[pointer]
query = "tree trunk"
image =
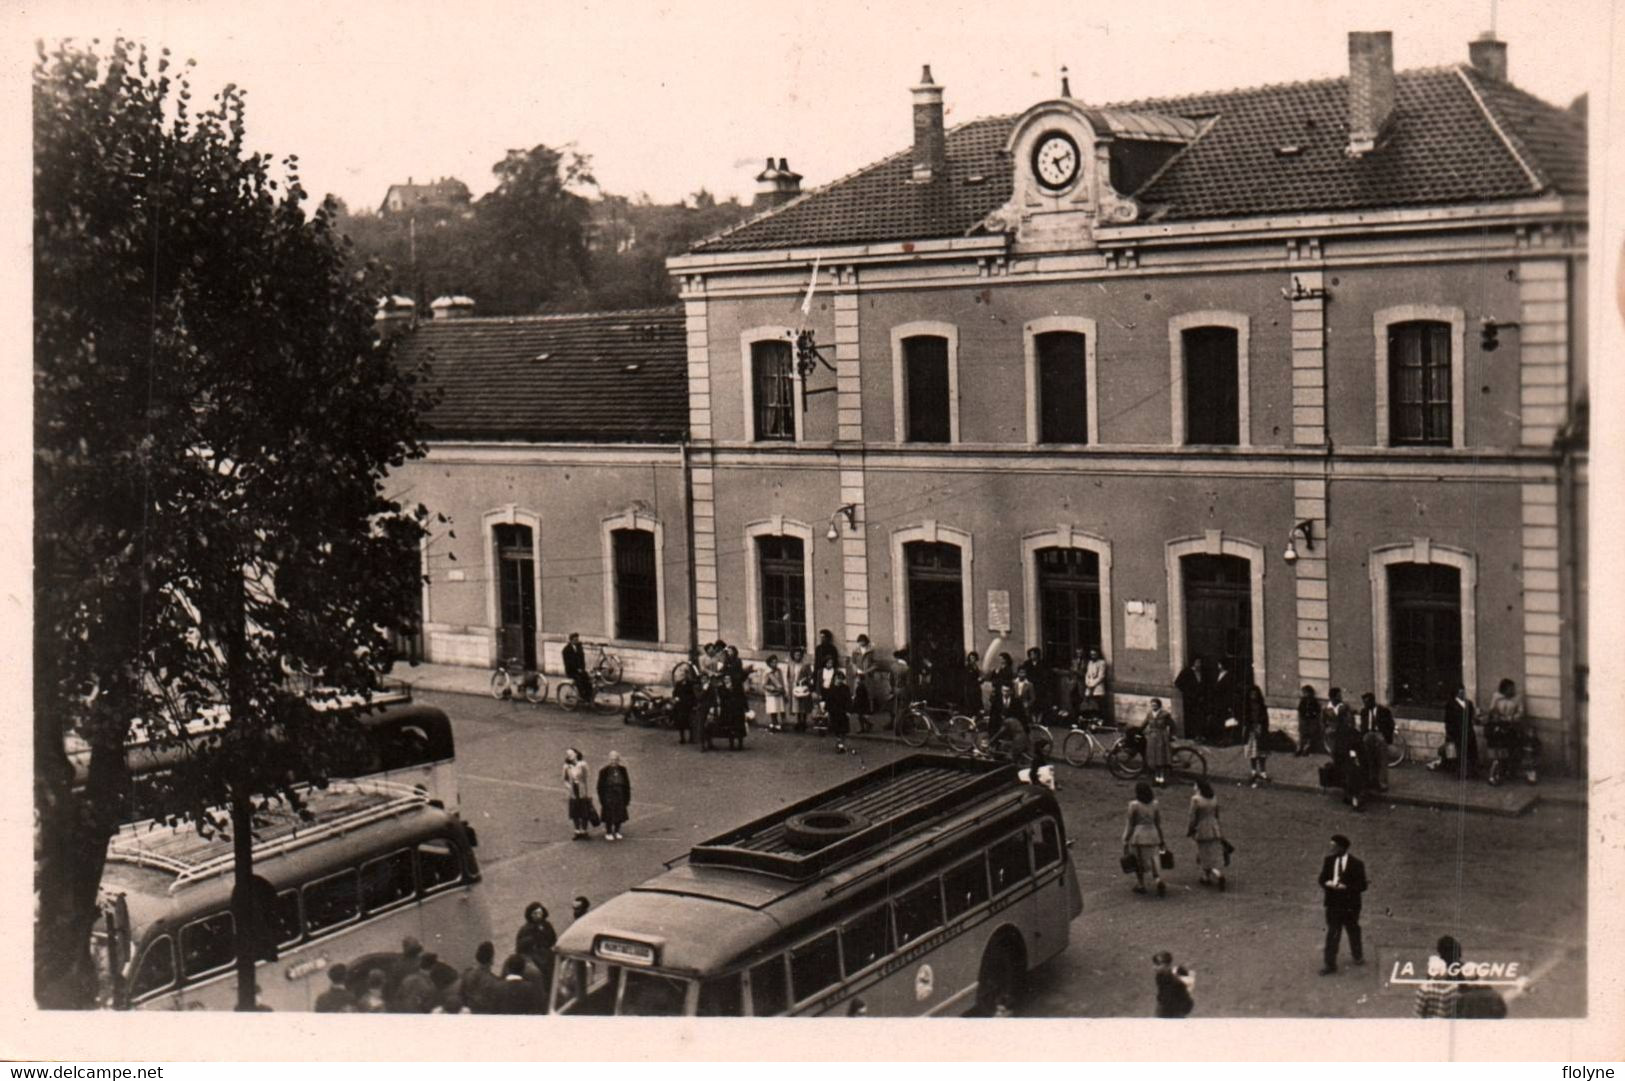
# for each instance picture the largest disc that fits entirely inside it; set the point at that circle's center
(244, 918)
(232, 636)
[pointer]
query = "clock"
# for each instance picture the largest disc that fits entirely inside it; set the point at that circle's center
(1055, 160)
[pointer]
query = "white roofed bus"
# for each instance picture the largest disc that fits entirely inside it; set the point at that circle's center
(932, 885)
(376, 863)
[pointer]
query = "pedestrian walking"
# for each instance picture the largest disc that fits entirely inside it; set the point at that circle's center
(1208, 833)
(1191, 683)
(614, 796)
(860, 677)
(1377, 733)
(684, 699)
(1094, 685)
(1309, 722)
(1174, 986)
(1343, 884)
(773, 695)
(1255, 733)
(798, 682)
(1459, 752)
(1142, 838)
(1159, 733)
(579, 806)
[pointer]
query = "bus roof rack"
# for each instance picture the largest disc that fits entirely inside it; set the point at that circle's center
(895, 800)
(340, 808)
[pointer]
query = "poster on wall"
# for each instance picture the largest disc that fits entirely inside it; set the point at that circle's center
(1140, 624)
(998, 611)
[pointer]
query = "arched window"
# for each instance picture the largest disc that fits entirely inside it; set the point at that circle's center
(925, 382)
(1208, 369)
(770, 383)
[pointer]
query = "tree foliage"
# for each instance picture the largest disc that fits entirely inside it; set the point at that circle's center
(214, 422)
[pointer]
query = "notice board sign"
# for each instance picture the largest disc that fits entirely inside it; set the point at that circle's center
(998, 611)
(1140, 624)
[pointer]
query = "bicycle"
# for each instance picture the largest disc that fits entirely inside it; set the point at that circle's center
(604, 699)
(1398, 751)
(1126, 760)
(1082, 743)
(512, 679)
(606, 665)
(924, 723)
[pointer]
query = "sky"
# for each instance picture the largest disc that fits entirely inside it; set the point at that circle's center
(667, 98)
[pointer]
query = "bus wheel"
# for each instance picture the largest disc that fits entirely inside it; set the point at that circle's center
(816, 829)
(997, 981)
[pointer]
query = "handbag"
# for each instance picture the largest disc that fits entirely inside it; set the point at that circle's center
(1167, 859)
(1325, 775)
(1128, 863)
(592, 815)
(1228, 849)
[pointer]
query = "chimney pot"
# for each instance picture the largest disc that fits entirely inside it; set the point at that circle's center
(1489, 56)
(1371, 88)
(930, 140)
(783, 166)
(775, 184)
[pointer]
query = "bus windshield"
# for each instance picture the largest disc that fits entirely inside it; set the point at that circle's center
(592, 988)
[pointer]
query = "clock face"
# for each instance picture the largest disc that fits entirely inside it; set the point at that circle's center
(1055, 160)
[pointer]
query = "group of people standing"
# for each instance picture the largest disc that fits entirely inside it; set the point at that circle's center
(614, 796)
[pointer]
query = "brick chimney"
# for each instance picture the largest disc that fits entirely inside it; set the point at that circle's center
(395, 314)
(930, 144)
(458, 307)
(1371, 88)
(775, 184)
(1489, 56)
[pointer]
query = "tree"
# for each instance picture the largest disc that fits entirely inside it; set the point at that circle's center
(532, 233)
(214, 421)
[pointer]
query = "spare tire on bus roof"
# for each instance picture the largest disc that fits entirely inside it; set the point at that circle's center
(816, 829)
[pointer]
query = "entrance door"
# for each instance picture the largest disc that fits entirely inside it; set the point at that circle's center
(1219, 612)
(936, 612)
(1424, 603)
(516, 593)
(1069, 601)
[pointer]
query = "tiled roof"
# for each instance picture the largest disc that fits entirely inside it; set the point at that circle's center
(603, 377)
(1440, 148)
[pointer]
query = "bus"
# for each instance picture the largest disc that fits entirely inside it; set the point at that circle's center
(931, 886)
(376, 864)
(400, 741)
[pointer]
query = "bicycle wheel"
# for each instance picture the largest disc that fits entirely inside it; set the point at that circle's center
(535, 688)
(1078, 748)
(1038, 733)
(1189, 762)
(1124, 762)
(914, 729)
(610, 669)
(1398, 752)
(568, 695)
(961, 733)
(501, 684)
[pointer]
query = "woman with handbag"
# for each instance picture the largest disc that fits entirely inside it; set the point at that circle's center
(1159, 732)
(582, 813)
(1209, 835)
(1142, 838)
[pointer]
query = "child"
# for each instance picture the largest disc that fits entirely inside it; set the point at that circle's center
(798, 682)
(773, 693)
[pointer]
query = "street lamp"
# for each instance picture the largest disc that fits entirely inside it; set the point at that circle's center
(1304, 529)
(851, 512)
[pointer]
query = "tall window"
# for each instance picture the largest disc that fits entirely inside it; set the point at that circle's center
(1212, 387)
(784, 592)
(1424, 604)
(637, 601)
(773, 390)
(1069, 601)
(1419, 384)
(1063, 393)
(516, 592)
(925, 382)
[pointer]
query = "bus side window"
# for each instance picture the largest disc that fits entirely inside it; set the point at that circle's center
(919, 912)
(157, 971)
(769, 989)
(439, 865)
(965, 887)
(1008, 862)
(1046, 843)
(815, 966)
(866, 939)
(285, 918)
(330, 902)
(722, 997)
(207, 944)
(387, 880)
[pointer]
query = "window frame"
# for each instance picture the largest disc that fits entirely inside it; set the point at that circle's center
(786, 1005)
(367, 910)
(980, 861)
(189, 977)
(748, 339)
(1026, 847)
(618, 538)
(884, 913)
(1381, 321)
(327, 929)
(797, 996)
(1419, 550)
(776, 526)
(923, 329)
(1242, 325)
(167, 941)
(1061, 324)
(635, 520)
(424, 888)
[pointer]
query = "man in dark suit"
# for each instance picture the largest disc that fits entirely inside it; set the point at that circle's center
(575, 666)
(1377, 730)
(1342, 882)
(1191, 684)
(1459, 752)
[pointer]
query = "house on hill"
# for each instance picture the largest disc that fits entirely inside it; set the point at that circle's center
(446, 197)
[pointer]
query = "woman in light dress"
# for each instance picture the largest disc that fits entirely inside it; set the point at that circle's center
(1208, 833)
(1142, 837)
(575, 784)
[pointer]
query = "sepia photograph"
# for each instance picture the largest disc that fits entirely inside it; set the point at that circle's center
(665, 511)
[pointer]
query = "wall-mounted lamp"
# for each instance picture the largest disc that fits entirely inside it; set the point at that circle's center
(1304, 529)
(1489, 338)
(1299, 291)
(851, 512)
